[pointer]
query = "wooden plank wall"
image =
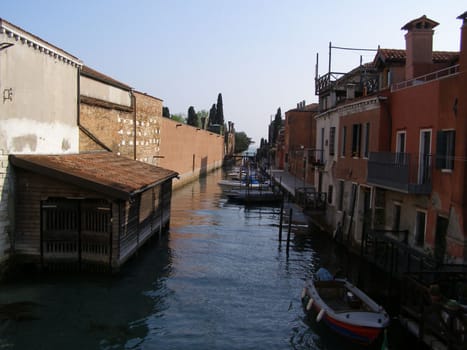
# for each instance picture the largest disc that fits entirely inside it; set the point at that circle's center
(31, 189)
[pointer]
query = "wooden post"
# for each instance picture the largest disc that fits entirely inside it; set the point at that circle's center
(290, 227)
(280, 221)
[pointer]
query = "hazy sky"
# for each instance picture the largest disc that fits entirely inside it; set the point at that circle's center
(260, 54)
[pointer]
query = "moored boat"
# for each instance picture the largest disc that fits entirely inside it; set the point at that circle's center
(252, 183)
(253, 196)
(344, 308)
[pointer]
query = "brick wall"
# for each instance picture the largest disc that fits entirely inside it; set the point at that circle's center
(160, 141)
(105, 125)
(188, 150)
(148, 127)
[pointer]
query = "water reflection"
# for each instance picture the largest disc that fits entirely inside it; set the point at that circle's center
(220, 280)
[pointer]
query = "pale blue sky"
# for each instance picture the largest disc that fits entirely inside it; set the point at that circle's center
(260, 54)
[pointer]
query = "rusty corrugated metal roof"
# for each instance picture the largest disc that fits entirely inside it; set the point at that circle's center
(103, 172)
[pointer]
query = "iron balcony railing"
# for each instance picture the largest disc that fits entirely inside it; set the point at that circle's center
(316, 157)
(401, 172)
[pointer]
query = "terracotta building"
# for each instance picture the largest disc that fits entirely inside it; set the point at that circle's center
(391, 158)
(420, 182)
(299, 141)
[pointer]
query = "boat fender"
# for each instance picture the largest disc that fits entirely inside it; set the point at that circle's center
(304, 292)
(320, 315)
(309, 305)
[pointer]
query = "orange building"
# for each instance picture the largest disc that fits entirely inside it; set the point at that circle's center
(299, 141)
(420, 181)
(391, 159)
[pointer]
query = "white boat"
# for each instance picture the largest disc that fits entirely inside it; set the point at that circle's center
(228, 185)
(344, 308)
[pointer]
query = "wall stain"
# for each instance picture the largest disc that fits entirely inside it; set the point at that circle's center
(65, 145)
(19, 143)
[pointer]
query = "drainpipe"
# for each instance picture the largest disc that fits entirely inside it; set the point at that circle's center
(133, 100)
(78, 99)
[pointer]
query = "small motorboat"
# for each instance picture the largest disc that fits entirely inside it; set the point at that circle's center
(344, 308)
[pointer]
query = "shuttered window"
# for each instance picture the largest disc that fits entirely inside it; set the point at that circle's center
(445, 144)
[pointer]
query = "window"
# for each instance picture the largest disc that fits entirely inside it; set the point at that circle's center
(445, 143)
(356, 139)
(340, 203)
(332, 139)
(330, 194)
(397, 217)
(400, 147)
(400, 139)
(420, 226)
(344, 136)
(366, 140)
(353, 198)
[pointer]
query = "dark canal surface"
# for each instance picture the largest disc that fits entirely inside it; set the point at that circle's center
(218, 280)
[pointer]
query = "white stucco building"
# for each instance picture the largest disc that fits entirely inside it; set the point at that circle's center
(39, 105)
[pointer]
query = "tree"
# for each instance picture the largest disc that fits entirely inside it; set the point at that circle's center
(202, 117)
(242, 142)
(165, 112)
(276, 125)
(178, 117)
(192, 117)
(212, 114)
(219, 111)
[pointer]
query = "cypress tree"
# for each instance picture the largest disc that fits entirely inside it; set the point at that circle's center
(212, 115)
(277, 125)
(192, 117)
(165, 112)
(220, 110)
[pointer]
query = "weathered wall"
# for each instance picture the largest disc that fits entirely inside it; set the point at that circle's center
(38, 111)
(4, 205)
(148, 127)
(92, 88)
(102, 123)
(39, 90)
(188, 150)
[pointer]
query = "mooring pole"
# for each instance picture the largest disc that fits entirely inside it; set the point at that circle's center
(281, 220)
(290, 227)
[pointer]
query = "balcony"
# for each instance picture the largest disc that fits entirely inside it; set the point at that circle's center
(440, 74)
(316, 157)
(402, 172)
(326, 82)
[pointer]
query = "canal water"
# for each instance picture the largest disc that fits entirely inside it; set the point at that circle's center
(220, 279)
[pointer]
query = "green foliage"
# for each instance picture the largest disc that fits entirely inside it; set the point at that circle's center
(192, 117)
(178, 117)
(277, 123)
(165, 112)
(242, 142)
(219, 110)
(212, 114)
(202, 117)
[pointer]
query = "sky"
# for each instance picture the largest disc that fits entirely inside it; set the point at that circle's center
(260, 54)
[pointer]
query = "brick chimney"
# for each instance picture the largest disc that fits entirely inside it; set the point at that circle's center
(463, 48)
(419, 47)
(460, 110)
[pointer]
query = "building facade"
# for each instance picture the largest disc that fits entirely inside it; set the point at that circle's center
(34, 118)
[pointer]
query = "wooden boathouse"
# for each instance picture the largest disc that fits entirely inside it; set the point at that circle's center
(89, 211)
